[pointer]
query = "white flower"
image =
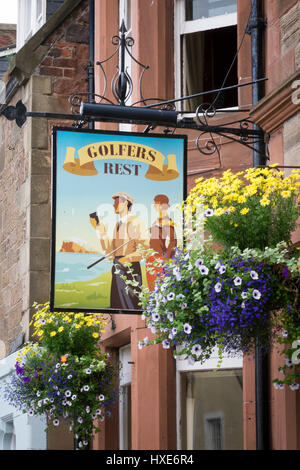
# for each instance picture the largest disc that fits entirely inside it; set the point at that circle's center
(38, 394)
(243, 305)
(218, 287)
(199, 262)
(196, 349)
(86, 388)
(68, 393)
(85, 443)
(170, 316)
(153, 329)
(30, 413)
(146, 340)
(87, 409)
(244, 295)
(284, 333)
(203, 270)
(254, 275)
(256, 294)
(140, 345)
(288, 363)
(208, 213)
(74, 397)
(237, 281)
(88, 371)
(294, 386)
(186, 257)
(166, 344)
(101, 397)
(183, 306)
(180, 296)
(187, 328)
(55, 422)
(143, 317)
(218, 265)
(222, 269)
(79, 419)
(190, 267)
(57, 366)
(171, 296)
(155, 316)
(174, 331)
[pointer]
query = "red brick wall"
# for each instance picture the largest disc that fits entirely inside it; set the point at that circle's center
(7, 35)
(67, 58)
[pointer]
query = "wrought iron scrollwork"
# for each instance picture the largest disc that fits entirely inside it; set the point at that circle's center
(121, 84)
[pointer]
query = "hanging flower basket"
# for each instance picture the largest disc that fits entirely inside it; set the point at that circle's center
(65, 377)
(244, 293)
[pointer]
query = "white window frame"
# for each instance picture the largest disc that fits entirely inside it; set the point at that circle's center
(183, 366)
(182, 27)
(124, 11)
(35, 24)
(125, 380)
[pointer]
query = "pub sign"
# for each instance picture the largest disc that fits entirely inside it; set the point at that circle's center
(115, 195)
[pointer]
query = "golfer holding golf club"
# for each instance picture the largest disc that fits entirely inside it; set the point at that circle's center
(129, 232)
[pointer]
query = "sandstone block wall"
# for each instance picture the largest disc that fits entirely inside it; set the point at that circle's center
(25, 177)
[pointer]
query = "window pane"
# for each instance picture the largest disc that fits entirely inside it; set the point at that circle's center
(27, 19)
(39, 5)
(212, 410)
(196, 9)
(206, 64)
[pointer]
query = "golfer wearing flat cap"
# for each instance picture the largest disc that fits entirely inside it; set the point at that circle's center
(129, 229)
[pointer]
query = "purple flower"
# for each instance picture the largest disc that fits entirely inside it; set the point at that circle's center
(286, 272)
(26, 379)
(19, 370)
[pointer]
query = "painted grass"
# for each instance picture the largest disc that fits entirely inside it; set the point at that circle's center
(91, 294)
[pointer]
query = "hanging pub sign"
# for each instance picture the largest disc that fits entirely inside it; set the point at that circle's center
(115, 195)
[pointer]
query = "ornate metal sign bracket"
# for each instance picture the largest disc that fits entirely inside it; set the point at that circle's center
(158, 113)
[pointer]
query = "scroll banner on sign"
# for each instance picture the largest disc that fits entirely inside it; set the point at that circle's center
(161, 168)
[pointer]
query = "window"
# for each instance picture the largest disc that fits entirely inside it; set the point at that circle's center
(31, 17)
(212, 410)
(7, 434)
(125, 14)
(210, 404)
(205, 45)
(125, 398)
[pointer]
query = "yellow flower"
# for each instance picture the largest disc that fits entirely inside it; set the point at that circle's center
(95, 335)
(286, 194)
(60, 329)
(264, 201)
(77, 326)
(53, 333)
(241, 199)
(244, 211)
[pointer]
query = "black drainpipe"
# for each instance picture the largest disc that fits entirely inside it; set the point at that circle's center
(256, 26)
(91, 62)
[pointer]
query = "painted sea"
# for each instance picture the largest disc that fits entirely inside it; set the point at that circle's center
(72, 267)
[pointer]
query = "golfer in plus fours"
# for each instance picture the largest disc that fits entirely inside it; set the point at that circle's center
(129, 229)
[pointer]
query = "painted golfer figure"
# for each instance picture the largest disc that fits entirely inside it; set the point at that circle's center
(129, 232)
